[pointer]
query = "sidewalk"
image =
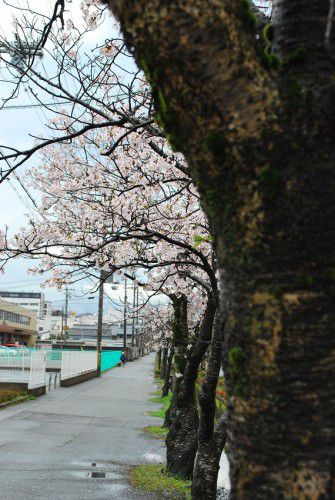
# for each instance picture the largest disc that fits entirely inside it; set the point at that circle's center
(48, 446)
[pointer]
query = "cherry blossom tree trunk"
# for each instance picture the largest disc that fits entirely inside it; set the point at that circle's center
(167, 374)
(159, 359)
(255, 122)
(162, 368)
(182, 418)
(211, 437)
(181, 441)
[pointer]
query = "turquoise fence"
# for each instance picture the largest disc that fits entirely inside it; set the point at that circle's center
(109, 359)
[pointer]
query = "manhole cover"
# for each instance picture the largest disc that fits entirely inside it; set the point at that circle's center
(97, 474)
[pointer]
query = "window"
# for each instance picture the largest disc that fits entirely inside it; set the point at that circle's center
(14, 318)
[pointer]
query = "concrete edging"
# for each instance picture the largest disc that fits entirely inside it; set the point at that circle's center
(22, 386)
(13, 401)
(68, 382)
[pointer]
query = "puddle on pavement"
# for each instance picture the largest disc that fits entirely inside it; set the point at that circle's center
(96, 474)
(96, 470)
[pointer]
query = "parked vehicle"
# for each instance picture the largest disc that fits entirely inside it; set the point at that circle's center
(15, 346)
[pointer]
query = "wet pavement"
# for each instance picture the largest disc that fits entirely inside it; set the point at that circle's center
(79, 442)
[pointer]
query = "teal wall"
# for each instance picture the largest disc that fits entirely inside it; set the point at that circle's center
(109, 359)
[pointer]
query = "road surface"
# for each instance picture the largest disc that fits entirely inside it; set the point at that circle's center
(78, 442)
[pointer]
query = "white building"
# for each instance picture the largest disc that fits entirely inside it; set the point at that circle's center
(35, 301)
(58, 322)
(86, 319)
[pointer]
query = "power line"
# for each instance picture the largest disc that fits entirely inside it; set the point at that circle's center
(37, 284)
(23, 201)
(25, 190)
(27, 106)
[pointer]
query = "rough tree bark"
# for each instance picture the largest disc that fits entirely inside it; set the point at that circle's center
(257, 128)
(182, 416)
(184, 412)
(211, 437)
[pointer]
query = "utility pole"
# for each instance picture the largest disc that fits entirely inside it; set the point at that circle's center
(125, 315)
(66, 311)
(100, 320)
(62, 328)
(137, 318)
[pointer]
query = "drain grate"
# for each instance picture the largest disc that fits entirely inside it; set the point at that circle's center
(97, 474)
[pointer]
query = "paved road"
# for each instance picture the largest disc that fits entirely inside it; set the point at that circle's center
(48, 446)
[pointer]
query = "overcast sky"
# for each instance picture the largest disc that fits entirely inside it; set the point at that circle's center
(15, 127)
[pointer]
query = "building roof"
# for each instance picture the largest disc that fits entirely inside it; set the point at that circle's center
(20, 295)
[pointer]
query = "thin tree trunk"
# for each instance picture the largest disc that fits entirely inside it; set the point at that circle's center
(167, 374)
(159, 359)
(163, 363)
(210, 441)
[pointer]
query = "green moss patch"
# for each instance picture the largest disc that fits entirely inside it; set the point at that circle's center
(155, 479)
(156, 431)
(165, 402)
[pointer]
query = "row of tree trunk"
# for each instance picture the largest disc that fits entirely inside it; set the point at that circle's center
(195, 437)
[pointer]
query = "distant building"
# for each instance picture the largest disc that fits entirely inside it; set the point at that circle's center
(58, 323)
(86, 319)
(17, 324)
(111, 333)
(34, 301)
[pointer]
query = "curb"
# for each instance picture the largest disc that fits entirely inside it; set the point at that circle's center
(14, 401)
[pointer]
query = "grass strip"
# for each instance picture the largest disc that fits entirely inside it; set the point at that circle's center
(156, 431)
(157, 393)
(154, 478)
(165, 402)
(7, 395)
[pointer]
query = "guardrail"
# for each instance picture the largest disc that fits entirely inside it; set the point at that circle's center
(39, 367)
(23, 366)
(76, 363)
